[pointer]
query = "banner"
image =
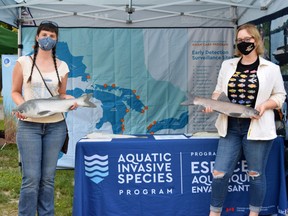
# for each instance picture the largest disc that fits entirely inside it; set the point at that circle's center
(170, 177)
(138, 78)
(8, 63)
(208, 48)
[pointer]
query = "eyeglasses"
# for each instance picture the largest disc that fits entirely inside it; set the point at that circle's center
(45, 22)
(246, 39)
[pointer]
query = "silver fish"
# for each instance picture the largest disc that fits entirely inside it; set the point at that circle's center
(223, 105)
(37, 108)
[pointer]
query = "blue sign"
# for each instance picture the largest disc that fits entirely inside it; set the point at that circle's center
(164, 177)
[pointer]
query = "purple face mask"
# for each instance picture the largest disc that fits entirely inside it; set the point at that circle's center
(46, 43)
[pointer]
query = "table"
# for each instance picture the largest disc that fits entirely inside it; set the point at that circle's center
(169, 177)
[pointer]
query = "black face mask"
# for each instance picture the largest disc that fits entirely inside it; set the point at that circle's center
(245, 47)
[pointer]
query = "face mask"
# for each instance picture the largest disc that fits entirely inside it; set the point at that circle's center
(46, 43)
(245, 47)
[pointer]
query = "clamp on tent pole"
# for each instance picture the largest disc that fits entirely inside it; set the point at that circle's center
(20, 21)
(129, 9)
(266, 4)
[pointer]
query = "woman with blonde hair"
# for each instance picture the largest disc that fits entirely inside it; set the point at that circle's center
(252, 81)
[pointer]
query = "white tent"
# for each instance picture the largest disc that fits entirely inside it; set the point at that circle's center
(142, 56)
(136, 13)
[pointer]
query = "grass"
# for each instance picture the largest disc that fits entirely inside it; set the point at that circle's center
(11, 180)
(1, 125)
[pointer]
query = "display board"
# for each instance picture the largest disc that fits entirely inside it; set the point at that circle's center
(138, 78)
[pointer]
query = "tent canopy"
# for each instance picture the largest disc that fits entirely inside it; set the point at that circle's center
(8, 41)
(137, 13)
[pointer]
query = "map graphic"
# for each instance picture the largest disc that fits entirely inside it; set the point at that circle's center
(119, 102)
(138, 78)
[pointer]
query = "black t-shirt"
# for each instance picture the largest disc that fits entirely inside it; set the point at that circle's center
(243, 85)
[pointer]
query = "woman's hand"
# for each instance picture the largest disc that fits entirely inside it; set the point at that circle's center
(75, 105)
(19, 115)
(207, 110)
(261, 108)
(269, 104)
(214, 96)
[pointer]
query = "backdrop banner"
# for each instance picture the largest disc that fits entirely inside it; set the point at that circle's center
(8, 63)
(138, 78)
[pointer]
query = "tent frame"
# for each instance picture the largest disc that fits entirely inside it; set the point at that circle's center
(130, 8)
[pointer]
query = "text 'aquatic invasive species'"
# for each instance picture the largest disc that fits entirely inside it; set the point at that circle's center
(37, 108)
(223, 105)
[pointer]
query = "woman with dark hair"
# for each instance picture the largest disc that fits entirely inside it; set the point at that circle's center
(39, 140)
(252, 81)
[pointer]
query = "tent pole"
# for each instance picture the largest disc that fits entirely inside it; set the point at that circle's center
(20, 46)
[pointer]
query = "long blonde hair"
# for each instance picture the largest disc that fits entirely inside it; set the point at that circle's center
(254, 32)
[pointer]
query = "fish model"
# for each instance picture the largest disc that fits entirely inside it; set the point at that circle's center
(223, 105)
(37, 108)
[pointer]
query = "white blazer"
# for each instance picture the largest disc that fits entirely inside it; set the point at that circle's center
(271, 86)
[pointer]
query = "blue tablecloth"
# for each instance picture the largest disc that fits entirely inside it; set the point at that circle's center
(148, 177)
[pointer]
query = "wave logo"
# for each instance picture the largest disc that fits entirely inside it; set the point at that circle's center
(96, 167)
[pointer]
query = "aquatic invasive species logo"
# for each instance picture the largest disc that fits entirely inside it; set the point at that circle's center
(96, 167)
(153, 171)
(144, 168)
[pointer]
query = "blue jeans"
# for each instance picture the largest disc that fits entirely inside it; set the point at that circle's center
(39, 145)
(229, 152)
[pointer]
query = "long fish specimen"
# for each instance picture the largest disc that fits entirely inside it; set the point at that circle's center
(37, 108)
(223, 105)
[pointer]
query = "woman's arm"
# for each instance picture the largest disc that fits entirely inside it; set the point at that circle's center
(17, 83)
